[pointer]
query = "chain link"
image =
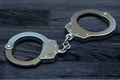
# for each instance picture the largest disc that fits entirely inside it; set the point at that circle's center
(66, 44)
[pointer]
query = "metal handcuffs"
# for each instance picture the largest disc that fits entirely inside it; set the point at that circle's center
(50, 47)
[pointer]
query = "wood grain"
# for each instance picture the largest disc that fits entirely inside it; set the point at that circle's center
(92, 59)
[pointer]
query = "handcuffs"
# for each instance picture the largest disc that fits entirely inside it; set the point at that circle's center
(50, 47)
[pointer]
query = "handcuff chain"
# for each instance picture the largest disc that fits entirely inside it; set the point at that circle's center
(66, 44)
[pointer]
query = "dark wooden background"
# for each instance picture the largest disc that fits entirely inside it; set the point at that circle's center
(92, 59)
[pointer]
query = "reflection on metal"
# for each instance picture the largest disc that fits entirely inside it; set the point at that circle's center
(75, 29)
(49, 48)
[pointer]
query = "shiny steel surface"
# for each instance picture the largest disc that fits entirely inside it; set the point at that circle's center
(75, 29)
(49, 48)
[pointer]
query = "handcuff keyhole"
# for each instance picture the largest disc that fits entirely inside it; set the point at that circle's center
(27, 50)
(92, 22)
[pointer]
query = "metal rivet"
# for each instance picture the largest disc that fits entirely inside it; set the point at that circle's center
(86, 34)
(8, 46)
(55, 51)
(105, 13)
